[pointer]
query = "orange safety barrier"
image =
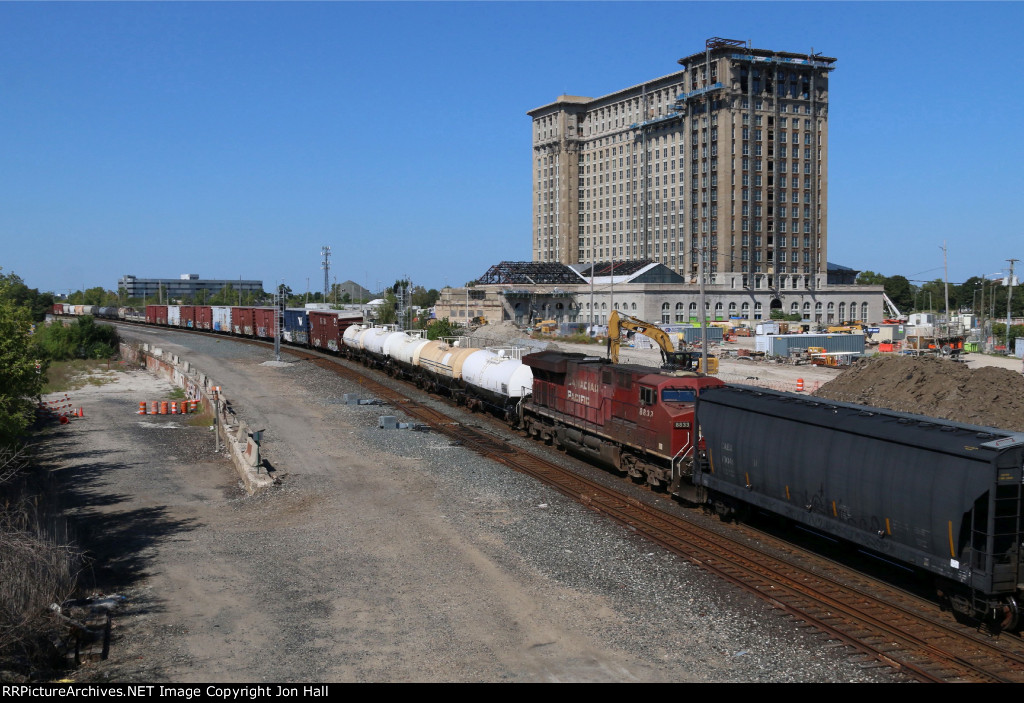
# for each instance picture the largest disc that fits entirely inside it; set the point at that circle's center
(153, 407)
(142, 407)
(193, 405)
(174, 407)
(799, 385)
(163, 407)
(80, 413)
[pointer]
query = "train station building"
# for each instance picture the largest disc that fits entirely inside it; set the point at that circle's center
(714, 174)
(528, 291)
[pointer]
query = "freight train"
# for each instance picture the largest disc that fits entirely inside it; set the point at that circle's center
(943, 497)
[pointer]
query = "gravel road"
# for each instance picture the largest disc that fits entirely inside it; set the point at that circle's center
(383, 556)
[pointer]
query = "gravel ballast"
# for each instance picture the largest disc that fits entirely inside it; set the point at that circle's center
(392, 555)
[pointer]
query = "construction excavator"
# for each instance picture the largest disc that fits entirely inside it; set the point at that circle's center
(671, 359)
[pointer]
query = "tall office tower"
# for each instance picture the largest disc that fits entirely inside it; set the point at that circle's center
(727, 158)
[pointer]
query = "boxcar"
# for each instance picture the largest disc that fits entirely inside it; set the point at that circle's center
(156, 314)
(296, 326)
(204, 317)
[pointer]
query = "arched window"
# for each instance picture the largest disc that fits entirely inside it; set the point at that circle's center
(666, 315)
(842, 312)
(794, 308)
(634, 306)
(680, 316)
(863, 312)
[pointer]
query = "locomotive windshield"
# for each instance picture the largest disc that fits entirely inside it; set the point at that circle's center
(678, 395)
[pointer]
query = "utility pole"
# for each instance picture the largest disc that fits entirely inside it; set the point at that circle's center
(1009, 298)
(326, 266)
(945, 279)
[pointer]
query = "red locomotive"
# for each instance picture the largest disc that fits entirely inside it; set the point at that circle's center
(632, 418)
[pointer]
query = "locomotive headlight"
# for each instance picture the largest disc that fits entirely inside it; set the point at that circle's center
(682, 425)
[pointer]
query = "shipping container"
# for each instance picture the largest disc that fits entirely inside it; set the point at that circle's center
(782, 344)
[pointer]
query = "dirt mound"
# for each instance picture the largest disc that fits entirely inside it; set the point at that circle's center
(987, 396)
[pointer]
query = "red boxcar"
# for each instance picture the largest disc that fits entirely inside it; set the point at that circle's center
(188, 316)
(204, 317)
(156, 314)
(326, 328)
(243, 321)
(263, 322)
(635, 418)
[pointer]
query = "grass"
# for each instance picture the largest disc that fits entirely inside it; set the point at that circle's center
(176, 394)
(71, 375)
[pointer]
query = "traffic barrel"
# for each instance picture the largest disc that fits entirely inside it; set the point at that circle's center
(142, 407)
(163, 407)
(174, 407)
(153, 407)
(799, 385)
(193, 406)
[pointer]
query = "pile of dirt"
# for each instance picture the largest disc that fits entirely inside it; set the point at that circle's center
(987, 396)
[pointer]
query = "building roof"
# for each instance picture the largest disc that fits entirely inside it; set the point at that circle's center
(525, 272)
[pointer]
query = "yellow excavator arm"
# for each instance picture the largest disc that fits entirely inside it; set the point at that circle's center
(687, 361)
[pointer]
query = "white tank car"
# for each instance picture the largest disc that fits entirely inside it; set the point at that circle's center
(350, 338)
(498, 374)
(406, 352)
(377, 340)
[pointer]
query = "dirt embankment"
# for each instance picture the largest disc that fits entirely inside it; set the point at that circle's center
(988, 396)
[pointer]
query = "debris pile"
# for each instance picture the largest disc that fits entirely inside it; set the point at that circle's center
(988, 396)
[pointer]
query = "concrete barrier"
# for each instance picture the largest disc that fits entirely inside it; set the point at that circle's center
(234, 434)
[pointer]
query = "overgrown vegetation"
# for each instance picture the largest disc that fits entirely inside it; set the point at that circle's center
(38, 566)
(438, 329)
(83, 339)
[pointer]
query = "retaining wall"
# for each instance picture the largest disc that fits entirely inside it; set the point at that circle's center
(236, 439)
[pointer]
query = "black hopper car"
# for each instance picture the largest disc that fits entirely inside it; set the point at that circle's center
(941, 496)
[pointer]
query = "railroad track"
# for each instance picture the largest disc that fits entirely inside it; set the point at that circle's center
(926, 648)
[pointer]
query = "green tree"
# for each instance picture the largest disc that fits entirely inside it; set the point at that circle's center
(15, 290)
(225, 296)
(424, 298)
(387, 312)
(870, 278)
(20, 381)
(442, 328)
(899, 290)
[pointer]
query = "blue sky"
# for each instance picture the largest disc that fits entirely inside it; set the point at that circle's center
(235, 139)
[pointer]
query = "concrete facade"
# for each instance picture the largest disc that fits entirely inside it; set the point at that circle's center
(658, 303)
(728, 157)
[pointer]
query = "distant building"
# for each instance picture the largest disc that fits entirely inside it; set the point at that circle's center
(526, 292)
(186, 285)
(354, 291)
(725, 160)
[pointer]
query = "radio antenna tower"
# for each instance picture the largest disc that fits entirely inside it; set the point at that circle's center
(326, 266)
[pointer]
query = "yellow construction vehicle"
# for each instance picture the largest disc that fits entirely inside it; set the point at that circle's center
(670, 358)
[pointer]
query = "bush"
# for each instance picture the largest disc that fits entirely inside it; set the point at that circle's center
(82, 340)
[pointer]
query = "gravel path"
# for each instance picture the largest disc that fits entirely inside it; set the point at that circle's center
(384, 556)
